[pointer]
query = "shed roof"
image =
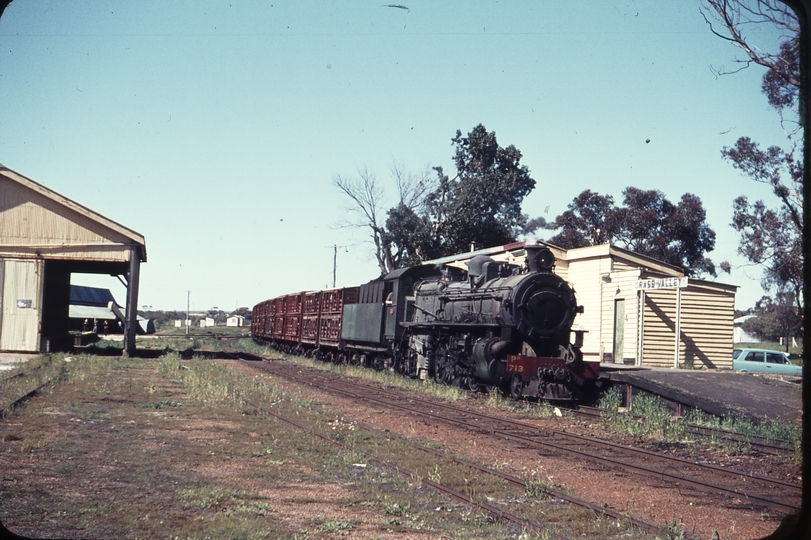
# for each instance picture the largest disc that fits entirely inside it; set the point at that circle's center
(38, 222)
(90, 296)
(569, 255)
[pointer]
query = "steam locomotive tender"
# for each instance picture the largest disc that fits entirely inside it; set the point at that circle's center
(496, 325)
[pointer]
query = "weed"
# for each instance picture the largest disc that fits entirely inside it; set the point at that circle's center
(610, 400)
(253, 508)
(676, 528)
(772, 430)
(165, 404)
(542, 410)
(397, 509)
(208, 497)
(658, 424)
(336, 526)
(168, 364)
(536, 490)
(31, 444)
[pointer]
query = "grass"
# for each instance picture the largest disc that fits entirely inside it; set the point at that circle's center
(661, 425)
(213, 385)
(388, 378)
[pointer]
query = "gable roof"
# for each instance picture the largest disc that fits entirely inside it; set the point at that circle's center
(634, 259)
(105, 232)
(90, 296)
(574, 254)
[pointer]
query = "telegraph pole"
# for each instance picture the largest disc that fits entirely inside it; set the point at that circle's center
(188, 294)
(334, 262)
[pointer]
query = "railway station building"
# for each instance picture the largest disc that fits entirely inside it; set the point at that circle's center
(638, 310)
(44, 239)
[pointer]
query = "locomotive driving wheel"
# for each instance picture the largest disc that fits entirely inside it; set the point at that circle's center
(516, 386)
(444, 370)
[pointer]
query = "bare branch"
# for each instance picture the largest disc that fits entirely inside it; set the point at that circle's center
(736, 15)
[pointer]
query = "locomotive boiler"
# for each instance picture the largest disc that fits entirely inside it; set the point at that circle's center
(503, 326)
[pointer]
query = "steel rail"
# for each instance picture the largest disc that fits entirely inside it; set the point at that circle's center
(517, 482)
(564, 449)
(439, 487)
(4, 411)
(724, 470)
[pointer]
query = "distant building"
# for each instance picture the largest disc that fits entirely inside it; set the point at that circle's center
(235, 320)
(207, 322)
(741, 335)
(89, 304)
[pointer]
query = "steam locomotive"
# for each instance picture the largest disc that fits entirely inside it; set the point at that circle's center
(494, 325)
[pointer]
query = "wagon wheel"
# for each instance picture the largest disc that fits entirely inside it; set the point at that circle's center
(411, 366)
(516, 386)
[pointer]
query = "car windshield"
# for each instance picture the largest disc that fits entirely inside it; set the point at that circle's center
(736, 353)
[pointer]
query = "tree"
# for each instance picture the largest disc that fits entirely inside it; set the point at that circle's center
(481, 204)
(781, 83)
(590, 220)
(366, 195)
(770, 237)
(434, 217)
(776, 318)
(648, 224)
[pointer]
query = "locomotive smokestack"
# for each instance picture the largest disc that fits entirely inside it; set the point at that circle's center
(539, 259)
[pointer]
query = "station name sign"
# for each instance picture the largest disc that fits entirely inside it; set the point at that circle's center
(661, 283)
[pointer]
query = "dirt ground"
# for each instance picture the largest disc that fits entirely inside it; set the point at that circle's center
(82, 455)
(122, 458)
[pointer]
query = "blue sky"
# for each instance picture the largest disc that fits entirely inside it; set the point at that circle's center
(215, 128)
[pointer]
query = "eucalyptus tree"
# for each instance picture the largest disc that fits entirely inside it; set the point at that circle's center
(770, 234)
(647, 223)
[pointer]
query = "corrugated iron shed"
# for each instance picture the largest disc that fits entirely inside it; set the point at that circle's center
(44, 238)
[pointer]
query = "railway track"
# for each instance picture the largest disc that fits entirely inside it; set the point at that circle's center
(19, 378)
(710, 484)
(512, 480)
(765, 445)
(5, 410)
(448, 491)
